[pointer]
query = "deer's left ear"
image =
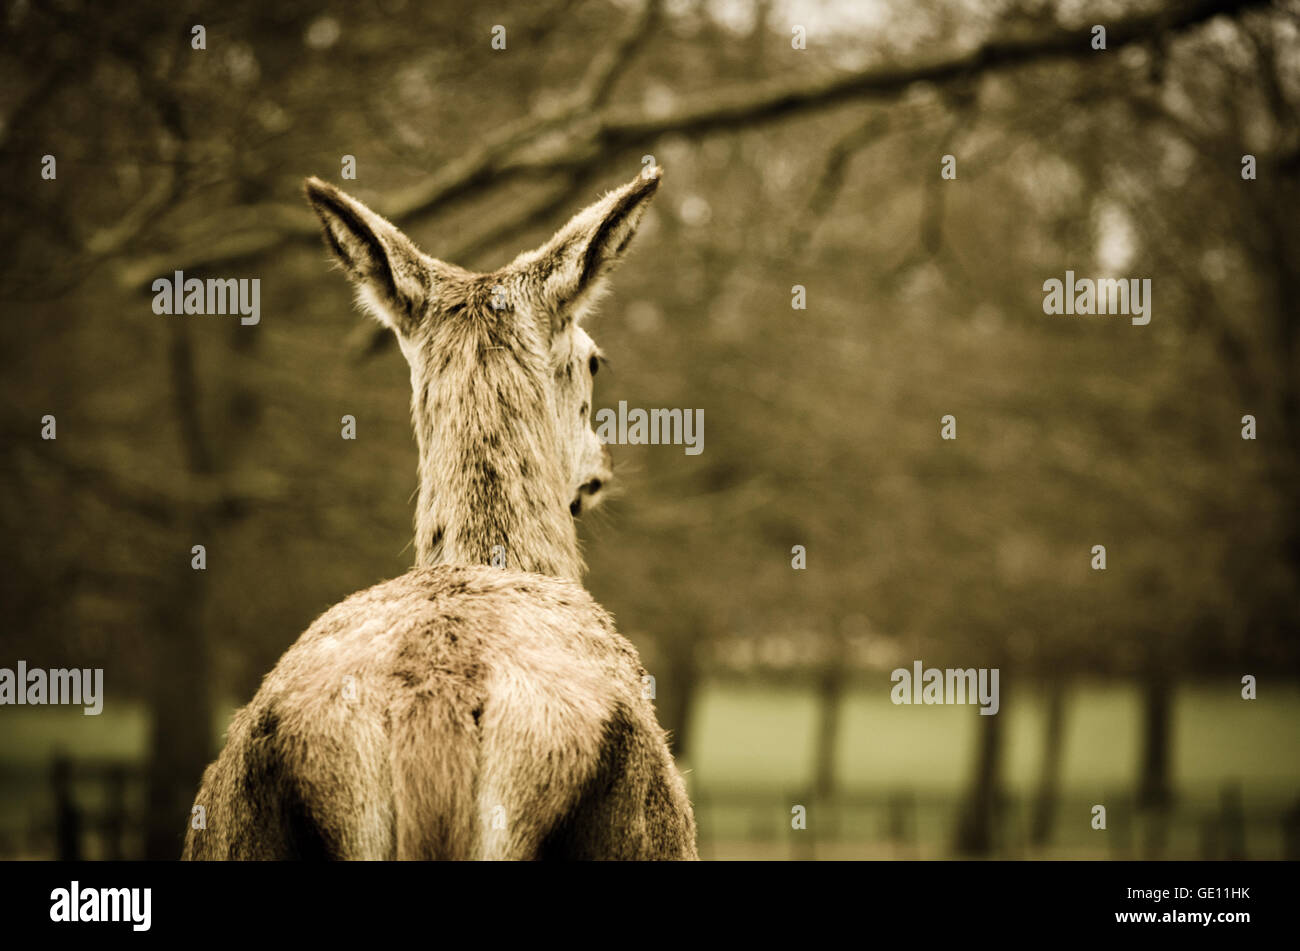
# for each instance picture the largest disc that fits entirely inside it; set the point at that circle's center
(389, 272)
(573, 262)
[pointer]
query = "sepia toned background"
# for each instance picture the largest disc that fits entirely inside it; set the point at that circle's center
(816, 166)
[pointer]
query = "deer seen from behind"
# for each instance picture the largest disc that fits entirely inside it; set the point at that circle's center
(466, 710)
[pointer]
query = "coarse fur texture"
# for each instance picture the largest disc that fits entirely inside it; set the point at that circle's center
(482, 705)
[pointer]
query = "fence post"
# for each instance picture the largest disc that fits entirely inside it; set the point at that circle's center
(1232, 823)
(1291, 833)
(115, 818)
(900, 823)
(67, 817)
(1120, 819)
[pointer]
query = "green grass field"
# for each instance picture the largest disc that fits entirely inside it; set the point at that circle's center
(752, 754)
(759, 738)
(755, 742)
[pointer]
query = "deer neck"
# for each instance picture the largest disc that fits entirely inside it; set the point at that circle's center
(492, 489)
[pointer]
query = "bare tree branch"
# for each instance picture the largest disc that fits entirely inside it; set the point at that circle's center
(574, 137)
(160, 506)
(831, 179)
(476, 170)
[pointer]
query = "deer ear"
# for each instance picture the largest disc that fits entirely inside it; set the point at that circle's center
(388, 270)
(573, 263)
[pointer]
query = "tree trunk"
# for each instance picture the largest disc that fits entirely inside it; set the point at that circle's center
(1048, 795)
(1155, 789)
(178, 698)
(679, 699)
(181, 708)
(830, 694)
(977, 828)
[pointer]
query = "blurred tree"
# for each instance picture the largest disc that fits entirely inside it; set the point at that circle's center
(815, 167)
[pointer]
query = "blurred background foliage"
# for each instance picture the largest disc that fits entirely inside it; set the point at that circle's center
(817, 167)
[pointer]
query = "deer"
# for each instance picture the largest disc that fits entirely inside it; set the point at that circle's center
(482, 705)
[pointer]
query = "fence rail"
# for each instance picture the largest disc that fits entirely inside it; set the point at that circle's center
(907, 824)
(93, 808)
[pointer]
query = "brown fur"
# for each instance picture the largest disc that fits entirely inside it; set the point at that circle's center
(464, 711)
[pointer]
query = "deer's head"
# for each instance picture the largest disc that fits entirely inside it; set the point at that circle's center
(501, 375)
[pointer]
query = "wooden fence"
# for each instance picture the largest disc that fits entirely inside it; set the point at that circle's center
(93, 809)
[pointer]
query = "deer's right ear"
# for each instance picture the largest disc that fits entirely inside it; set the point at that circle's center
(574, 263)
(387, 269)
